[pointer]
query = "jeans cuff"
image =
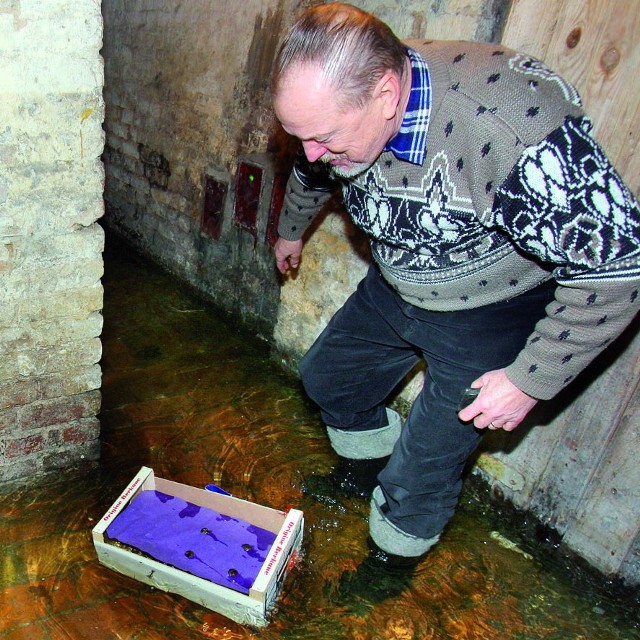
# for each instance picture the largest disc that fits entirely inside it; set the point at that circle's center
(364, 445)
(391, 539)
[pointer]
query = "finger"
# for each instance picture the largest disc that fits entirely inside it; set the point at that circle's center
(484, 424)
(510, 426)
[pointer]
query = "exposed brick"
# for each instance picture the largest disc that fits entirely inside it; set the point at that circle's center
(16, 468)
(20, 392)
(38, 361)
(81, 432)
(70, 382)
(8, 419)
(24, 446)
(17, 392)
(51, 195)
(73, 435)
(77, 453)
(60, 410)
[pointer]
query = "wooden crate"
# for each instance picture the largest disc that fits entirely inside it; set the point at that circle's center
(252, 609)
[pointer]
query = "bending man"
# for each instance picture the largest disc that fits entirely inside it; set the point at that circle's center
(505, 249)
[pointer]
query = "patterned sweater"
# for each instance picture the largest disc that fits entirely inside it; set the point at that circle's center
(513, 191)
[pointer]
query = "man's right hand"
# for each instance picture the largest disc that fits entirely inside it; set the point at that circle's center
(288, 254)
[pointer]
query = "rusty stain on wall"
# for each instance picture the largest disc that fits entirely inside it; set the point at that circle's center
(253, 90)
(83, 116)
(492, 21)
(7, 256)
(263, 49)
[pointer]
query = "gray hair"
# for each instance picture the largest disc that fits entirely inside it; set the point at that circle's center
(353, 48)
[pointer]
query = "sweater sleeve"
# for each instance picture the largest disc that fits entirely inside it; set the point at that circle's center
(309, 186)
(565, 204)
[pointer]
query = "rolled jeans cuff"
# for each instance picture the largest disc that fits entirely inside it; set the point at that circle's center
(365, 445)
(391, 539)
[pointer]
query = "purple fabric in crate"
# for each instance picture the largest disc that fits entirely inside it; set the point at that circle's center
(195, 539)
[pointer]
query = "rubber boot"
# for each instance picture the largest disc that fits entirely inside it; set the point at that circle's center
(389, 546)
(390, 561)
(349, 479)
(369, 584)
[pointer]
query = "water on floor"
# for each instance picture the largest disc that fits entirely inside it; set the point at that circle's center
(191, 395)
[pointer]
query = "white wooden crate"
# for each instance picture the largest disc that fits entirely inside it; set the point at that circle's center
(252, 609)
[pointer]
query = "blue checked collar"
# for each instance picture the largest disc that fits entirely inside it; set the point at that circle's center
(410, 143)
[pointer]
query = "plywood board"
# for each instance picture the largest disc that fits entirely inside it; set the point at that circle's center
(595, 44)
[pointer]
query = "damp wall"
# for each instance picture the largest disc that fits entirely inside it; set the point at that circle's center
(192, 149)
(51, 183)
(195, 163)
(188, 122)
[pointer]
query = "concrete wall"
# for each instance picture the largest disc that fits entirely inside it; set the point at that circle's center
(51, 181)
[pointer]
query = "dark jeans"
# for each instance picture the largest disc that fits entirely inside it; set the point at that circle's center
(366, 350)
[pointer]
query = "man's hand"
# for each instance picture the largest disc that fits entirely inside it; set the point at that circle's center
(499, 405)
(288, 254)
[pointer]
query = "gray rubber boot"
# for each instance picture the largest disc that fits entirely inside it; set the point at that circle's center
(363, 455)
(370, 444)
(390, 546)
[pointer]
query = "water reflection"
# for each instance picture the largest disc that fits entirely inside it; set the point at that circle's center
(199, 401)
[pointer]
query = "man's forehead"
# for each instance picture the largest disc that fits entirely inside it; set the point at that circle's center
(303, 75)
(305, 105)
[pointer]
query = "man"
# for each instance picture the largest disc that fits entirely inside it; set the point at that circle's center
(505, 246)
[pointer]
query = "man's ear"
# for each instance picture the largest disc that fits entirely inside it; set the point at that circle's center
(388, 90)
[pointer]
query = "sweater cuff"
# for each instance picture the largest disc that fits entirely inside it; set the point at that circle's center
(540, 387)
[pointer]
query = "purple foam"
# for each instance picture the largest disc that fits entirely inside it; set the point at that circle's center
(200, 541)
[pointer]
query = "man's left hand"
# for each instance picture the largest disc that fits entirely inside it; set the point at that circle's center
(499, 405)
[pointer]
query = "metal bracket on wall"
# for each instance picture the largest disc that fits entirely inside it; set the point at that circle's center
(215, 192)
(275, 206)
(247, 201)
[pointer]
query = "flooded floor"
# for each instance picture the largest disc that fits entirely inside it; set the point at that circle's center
(192, 396)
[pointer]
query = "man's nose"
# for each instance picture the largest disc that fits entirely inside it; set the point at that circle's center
(313, 150)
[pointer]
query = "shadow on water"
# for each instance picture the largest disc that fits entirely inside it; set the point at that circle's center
(190, 394)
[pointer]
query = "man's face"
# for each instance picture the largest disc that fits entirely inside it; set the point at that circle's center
(349, 139)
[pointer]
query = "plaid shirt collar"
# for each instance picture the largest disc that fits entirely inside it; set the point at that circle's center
(410, 143)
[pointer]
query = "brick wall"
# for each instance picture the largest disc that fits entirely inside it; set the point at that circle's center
(187, 97)
(51, 182)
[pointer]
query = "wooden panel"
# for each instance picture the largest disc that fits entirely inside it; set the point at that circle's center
(596, 45)
(587, 430)
(584, 475)
(563, 457)
(611, 501)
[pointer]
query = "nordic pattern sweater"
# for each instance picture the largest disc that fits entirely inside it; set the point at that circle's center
(513, 191)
